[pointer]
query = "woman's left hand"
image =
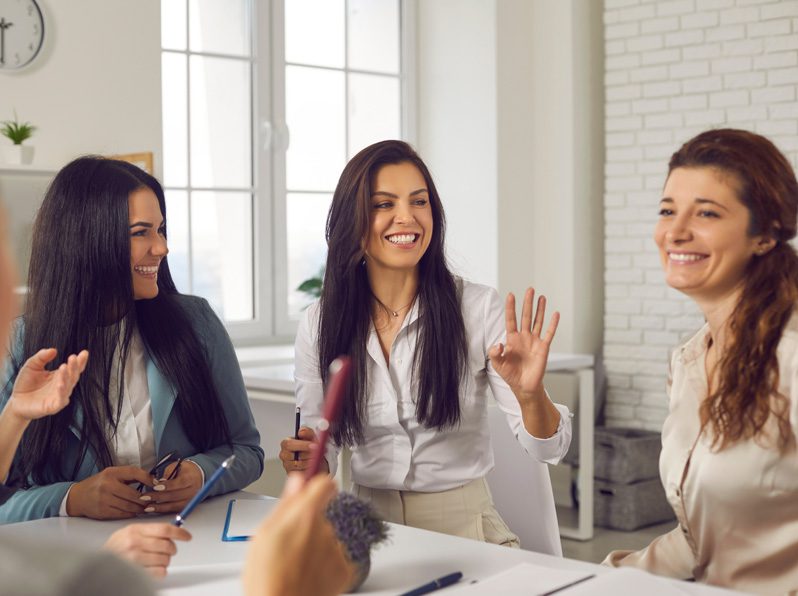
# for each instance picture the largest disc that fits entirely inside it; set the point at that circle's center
(521, 362)
(177, 492)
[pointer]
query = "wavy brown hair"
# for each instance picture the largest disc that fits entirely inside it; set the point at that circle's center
(748, 389)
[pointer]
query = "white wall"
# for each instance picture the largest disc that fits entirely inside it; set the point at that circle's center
(457, 126)
(96, 88)
(674, 69)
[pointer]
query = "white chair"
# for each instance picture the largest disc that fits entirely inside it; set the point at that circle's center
(521, 490)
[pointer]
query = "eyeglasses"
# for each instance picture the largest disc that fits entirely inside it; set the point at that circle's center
(157, 470)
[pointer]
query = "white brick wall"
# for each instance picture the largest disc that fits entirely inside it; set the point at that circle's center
(674, 68)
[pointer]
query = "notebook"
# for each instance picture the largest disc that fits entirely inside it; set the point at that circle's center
(244, 516)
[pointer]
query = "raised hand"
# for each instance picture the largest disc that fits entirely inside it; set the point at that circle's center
(521, 362)
(39, 392)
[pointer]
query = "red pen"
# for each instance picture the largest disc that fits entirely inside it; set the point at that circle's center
(340, 371)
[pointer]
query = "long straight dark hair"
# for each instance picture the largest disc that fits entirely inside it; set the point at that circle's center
(80, 295)
(346, 300)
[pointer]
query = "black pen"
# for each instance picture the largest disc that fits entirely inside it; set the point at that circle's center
(436, 584)
(296, 432)
(569, 585)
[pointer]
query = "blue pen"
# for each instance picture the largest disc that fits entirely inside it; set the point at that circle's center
(436, 584)
(180, 518)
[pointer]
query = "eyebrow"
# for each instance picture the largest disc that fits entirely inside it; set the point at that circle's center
(698, 200)
(143, 224)
(393, 196)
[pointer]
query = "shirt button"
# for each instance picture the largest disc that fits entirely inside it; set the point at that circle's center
(683, 528)
(678, 492)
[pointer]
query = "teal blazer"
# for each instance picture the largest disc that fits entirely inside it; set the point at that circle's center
(45, 500)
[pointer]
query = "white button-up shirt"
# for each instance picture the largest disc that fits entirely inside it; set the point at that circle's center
(401, 454)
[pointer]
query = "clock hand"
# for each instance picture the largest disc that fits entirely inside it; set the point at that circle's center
(3, 26)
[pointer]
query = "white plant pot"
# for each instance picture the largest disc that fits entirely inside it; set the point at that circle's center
(16, 155)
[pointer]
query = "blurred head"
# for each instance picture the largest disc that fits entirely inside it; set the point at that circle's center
(730, 199)
(385, 195)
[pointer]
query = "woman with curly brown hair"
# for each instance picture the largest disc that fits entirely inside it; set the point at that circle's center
(729, 464)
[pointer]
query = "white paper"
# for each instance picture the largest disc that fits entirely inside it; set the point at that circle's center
(247, 515)
(522, 580)
(626, 580)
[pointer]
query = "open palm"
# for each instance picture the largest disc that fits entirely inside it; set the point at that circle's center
(521, 362)
(40, 392)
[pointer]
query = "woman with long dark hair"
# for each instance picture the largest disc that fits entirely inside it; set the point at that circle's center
(728, 462)
(162, 379)
(426, 351)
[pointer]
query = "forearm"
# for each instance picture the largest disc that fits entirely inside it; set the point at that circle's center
(539, 415)
(11, 431)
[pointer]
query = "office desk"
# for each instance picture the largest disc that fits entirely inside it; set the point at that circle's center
(208, 566)
(269, 376)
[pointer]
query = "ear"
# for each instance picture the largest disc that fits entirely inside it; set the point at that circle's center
(764, 245)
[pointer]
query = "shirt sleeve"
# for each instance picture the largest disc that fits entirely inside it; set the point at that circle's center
(307, 380)
(548, 450)
(669, 555)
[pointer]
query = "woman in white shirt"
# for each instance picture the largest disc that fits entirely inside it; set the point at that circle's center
(427, 348)
(728, 213)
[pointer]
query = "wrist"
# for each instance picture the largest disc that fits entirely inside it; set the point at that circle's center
(13, 420)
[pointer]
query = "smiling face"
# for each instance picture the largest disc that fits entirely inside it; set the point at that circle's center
(400, 224)
(703, 234)
(147, 242)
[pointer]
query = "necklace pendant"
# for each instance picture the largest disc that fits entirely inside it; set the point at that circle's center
(394, 313)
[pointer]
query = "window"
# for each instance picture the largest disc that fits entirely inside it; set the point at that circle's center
(263, 104)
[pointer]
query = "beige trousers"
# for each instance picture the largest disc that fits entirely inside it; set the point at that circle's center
(465, 511)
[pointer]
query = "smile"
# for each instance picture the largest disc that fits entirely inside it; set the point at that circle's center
(686, 257)
(147, 271)
(402, 239)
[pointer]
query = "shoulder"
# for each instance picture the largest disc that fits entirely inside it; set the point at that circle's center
(787, 350)
(196, 308)
(476, 298)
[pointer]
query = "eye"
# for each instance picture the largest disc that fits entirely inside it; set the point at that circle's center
(665, 212)
(383, 205)
(162, 230)
(420, 202)
(139, 233)
(708, 213)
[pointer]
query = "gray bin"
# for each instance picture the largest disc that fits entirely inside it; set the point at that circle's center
(625, 455)
(630, 506)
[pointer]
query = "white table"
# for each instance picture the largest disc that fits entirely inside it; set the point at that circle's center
(269, 376)
(208, 566)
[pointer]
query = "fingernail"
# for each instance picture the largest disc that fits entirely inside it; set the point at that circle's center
(159, 487)
(149, 509)
(145, 498)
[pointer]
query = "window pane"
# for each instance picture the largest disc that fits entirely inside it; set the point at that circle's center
(219, 26)
(221, 148)
(177, 236)
(314, 32)
(306, 216)
(173, 24)
(174, 81)
(374, 35)
(316, 154)
(221, 242)
(374, 112)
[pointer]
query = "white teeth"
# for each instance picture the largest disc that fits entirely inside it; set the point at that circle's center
(685, 258)
(146, 270)
(402, 238)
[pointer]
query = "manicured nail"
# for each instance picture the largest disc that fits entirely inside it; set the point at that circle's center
(149, 509)
(159, 487)
(145, 498)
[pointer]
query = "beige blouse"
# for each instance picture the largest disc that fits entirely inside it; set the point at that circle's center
(738, 508)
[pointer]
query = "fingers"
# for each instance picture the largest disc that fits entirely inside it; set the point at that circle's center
(526, 309)
(318, 492)
(164, 530)
(555, 320)
(293, 484)
(540, 315)
(307, 434)
(509, 314)
(39, 360)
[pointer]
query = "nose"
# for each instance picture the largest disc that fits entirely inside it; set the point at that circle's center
(159, 247)
(679, 230)
(403, 215)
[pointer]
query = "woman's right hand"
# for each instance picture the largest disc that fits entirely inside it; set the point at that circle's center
(107, 495)
(150, 545)
(304, 446)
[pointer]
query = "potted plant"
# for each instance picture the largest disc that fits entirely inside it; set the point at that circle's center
(17, 132)
(359, 529)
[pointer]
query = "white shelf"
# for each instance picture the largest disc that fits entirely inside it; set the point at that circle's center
(27, 170)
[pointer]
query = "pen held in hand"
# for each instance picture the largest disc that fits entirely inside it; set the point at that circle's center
(180, 518)
(340, 371)
(296, 431)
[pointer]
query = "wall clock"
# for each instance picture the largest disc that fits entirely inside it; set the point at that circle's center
(21, 33)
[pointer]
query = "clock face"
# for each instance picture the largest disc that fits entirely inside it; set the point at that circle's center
(21, 33)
